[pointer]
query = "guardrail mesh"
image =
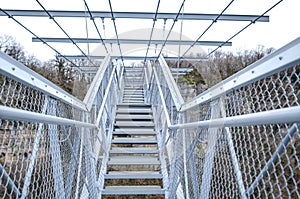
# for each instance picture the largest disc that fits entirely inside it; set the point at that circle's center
(266, 156)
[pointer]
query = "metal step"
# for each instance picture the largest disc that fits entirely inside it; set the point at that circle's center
(132, 190)
(133, 98)
(133, 150)
(133, 175)
(121, 124)
(133, 110)
(133, 160)
(134, 131)
(139, 105)
(131, 101)
(133, 91)
(134, 141)
(134, 117)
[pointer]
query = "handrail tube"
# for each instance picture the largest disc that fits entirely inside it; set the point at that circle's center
(101, 109)
(273, 63)
(176, 96)
(284, 115)
(28, 77)
(8, 113)
(92, 92)
(162, 97)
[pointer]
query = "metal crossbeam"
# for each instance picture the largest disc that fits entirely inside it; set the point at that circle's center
(131, 41)
(134, 58)
(133, 15)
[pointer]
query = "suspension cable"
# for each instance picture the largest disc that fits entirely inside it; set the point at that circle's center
(244, 28)
(51, 17)
(169, 33)
(212, 23)
(93, 19)
(43, 41)
(154, 21)
(116, 31)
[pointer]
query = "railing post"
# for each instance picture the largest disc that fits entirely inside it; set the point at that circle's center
(80, 159)
(55, 154)
(34, 152)
(192, 166)
(210, 152)
(72, 167)
(235, 162)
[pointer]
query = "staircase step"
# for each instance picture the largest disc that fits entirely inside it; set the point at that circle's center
(133, 175)
(131, 101)
(121, 124)
(134, 117)
(134, 131)
(133, 150)
(131, 98)
(133, 160)
(133, 110)
(138, 105)
(131, 92)
(132, 190)
(134, 141)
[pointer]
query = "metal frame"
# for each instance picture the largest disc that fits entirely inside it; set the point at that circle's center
(130, 41)
(132, 15)
(279, 60)
(134, 58)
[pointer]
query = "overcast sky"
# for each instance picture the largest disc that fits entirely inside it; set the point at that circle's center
(282, 28)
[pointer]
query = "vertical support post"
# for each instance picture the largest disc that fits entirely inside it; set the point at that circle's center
(55, 154)
(72, 167)
(235, 163)
(79, 162)
(192, 166)
(34, 153)
(210, 153)
(184, 140)
(90, 163)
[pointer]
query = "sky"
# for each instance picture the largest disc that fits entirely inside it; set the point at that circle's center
(282, 28)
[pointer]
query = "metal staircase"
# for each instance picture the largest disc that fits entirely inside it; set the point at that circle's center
(133, 167)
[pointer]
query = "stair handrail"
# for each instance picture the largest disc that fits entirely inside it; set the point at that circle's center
(21, 73)
(279, 60)
(94, 87)
(176, 96)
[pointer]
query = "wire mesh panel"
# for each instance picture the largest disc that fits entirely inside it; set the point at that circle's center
(274, 172)
(247, 160)
(54, 150)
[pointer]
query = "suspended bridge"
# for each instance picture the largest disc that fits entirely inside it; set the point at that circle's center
(134, 135)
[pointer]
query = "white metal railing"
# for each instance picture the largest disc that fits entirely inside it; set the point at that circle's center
(52, 144)
(238, 139)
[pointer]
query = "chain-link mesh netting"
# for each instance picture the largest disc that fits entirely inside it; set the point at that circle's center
(257, 161)
(52, 160)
